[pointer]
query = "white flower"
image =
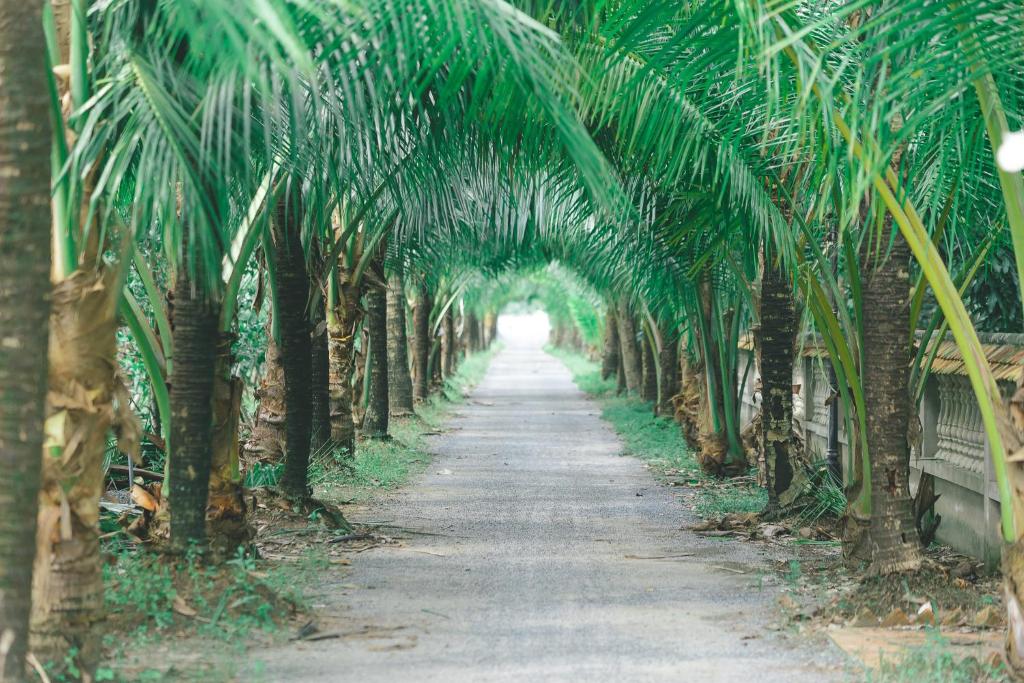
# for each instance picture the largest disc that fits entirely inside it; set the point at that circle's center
(1010, 156)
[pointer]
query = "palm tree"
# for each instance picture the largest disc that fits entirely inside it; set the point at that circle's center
(25, 137)
(293, 298)
(375, 421)
(449, 343)
(776, 333)
(610, 348)
(400, 394)
(668, 369)
(649, 368)
(320, 380)
(892, 539)
(191, 415)
(630, 359)
(421, 343)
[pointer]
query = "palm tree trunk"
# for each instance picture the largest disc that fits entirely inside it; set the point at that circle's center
(436, 378)
(192, 384)
(492, 328)
(421, 344)
(321, 394)
(342, 332)
(293, 287)
(610, 352)
(24, 312)
(87, 399)
(892, 535)
(375, 422)
(620, 374)
(775, 360)
(266, 444)
(631, 360)
(668, 371)
(649, 376)
(472, 333)
(448, 343)
(713, 453)
(226, 517)
(399, 380)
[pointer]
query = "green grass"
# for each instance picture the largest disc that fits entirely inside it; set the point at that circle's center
(236, 601)
(152, 600)
(739, 498)
(659, 442)
(934, 662)
(389, 464)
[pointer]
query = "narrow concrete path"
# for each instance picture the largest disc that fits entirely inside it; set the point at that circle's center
(538, 564)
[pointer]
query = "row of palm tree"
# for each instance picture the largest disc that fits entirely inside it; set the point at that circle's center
(707, 168)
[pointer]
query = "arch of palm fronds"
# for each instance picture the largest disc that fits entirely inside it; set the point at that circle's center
(704, 169)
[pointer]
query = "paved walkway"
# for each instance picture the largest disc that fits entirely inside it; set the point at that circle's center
(540, 568)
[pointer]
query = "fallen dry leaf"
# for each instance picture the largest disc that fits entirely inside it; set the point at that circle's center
(181, 607)
(143, 499)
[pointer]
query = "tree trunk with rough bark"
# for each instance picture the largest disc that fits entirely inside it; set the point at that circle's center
(436, 378)
(775, 337)
(476, 333)
(610, 351)
(448, 344)
(399, 380)
(342, 333)
(630, 355)
(421, 344)
(320, 379)
(227, 524)
(668, 371)
(293, 288)
(192, 383)
(375, 421)
(620, 374)
(266, 443)
(649, 370)
(713, 454)
(892, 535)
(85, 401)
(24, 312)
(492, 328)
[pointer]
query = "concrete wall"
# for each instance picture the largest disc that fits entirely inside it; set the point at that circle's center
(953, 448)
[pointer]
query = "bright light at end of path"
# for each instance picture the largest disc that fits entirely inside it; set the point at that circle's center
(1010, 156)
(524, 329)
